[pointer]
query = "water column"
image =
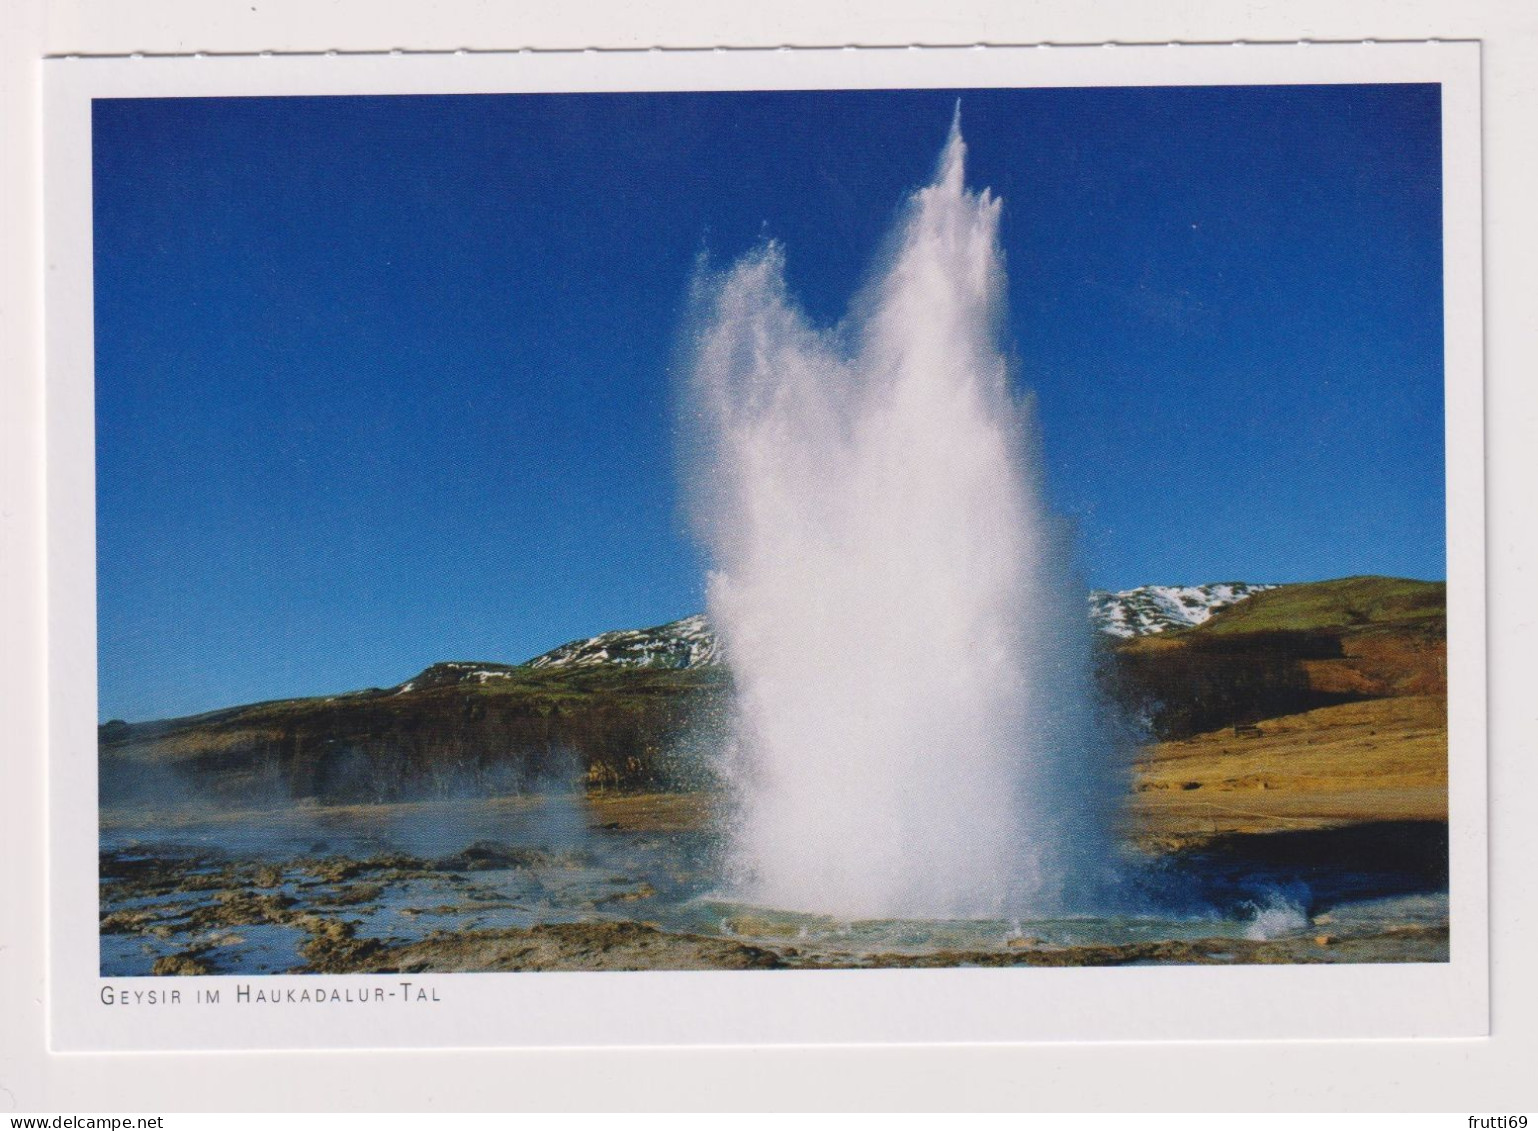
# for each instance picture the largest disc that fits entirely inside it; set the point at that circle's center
(916, 730)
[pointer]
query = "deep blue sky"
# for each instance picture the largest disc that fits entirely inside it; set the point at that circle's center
(385, 381)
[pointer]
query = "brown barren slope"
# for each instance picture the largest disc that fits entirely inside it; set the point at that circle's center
(1377, 760)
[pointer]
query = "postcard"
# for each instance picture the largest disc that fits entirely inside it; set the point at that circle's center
(758, 547)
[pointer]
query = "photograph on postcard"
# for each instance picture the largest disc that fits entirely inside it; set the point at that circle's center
(770, 530)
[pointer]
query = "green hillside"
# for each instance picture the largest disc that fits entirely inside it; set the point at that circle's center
(1284, 651)
(1350, 602)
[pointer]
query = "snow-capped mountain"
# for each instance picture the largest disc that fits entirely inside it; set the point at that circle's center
(451, 672)
(691, 642)
(1158, 608)
(687, 643)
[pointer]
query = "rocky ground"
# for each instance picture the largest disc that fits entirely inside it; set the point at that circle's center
(1345, 803)
(200, 912)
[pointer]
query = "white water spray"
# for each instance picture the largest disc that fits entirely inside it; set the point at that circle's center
(916, 734)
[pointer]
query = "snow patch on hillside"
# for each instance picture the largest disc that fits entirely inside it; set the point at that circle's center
(691, 643)
(1158, 608)
(686, 643)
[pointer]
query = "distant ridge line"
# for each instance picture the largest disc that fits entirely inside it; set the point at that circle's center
(691, 642)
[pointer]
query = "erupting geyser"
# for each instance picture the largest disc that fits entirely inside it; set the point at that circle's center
(916, 729)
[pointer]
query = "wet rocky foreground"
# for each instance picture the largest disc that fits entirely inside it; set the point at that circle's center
(558, 884)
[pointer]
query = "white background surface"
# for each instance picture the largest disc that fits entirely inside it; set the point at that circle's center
(783, 1007)
(1476, 1075)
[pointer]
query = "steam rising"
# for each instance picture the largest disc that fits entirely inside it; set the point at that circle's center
(916, 731)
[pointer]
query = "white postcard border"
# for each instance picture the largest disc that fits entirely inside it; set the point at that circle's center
(800, 1007)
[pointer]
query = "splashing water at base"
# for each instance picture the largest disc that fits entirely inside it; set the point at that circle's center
(917, 732)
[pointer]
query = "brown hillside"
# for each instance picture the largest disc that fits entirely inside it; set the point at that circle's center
(602, 727)
(1376, 760)
(1286, 651)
